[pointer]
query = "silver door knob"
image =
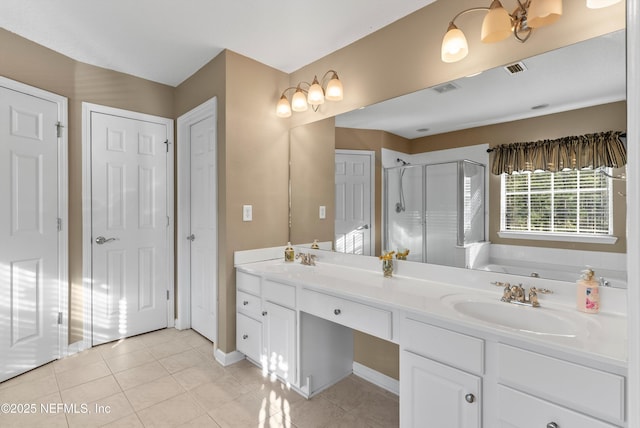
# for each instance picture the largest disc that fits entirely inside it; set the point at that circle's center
(337, 311)
(552, 425)
(245, 337)
(191, 237)
(470, 398)
(366, 226)
(102, 240)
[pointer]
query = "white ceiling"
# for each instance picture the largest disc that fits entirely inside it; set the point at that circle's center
(168, 40)
(585, 74)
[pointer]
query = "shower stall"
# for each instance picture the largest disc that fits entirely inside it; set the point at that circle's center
(436, 211)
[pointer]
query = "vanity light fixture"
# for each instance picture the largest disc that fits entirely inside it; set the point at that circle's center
(498, 24)
(315, 94)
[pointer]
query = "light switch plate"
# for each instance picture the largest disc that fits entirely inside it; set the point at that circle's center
(323, 212)
(247, 212)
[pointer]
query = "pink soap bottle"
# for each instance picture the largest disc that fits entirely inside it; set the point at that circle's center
(588, 294)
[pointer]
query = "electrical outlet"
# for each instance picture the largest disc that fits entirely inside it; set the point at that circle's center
(323, 212)
(247, 213)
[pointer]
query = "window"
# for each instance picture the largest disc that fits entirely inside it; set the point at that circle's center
(575, 202)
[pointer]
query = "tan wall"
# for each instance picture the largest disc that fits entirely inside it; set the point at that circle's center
(32, 64)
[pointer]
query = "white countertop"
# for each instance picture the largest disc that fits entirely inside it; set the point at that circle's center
(600, 338)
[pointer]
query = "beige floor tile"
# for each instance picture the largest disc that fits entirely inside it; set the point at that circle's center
(193, 376)
(165, 349)
(379, 411)
(248, 410)
(121, 347)
(212, 395)
(70, 378)
(277, 421)
(248, 375)
(148, 394)
(316, 412)
(129, 421)
(37, 373)
(351, 420)
(194, 339)
(91, 391)
(23, 392)
(349, 393)
(139, 375)
(102, 412)
(279, 396)
(129, 360)
(159, 336)
(172, 412)
(183, 360)
(75, 361)
(42, 412)
(203, 421)
(207, 351)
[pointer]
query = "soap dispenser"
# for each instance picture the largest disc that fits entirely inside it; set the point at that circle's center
(289, 253)
(315, 245)
(588, 294)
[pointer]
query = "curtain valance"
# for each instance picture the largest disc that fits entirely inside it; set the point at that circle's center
(604, 149)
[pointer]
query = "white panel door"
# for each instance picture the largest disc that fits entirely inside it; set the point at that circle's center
(129, 226)
(28, 232)
(353, 222)
(203, 270)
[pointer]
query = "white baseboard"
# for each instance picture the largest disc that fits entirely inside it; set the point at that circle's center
(76, 347)
(227, 359)
(375, 377)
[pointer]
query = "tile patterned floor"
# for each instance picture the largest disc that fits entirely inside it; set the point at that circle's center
(169, 378)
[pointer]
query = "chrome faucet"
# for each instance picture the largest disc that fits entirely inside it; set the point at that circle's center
(517, 295)
(307, 259)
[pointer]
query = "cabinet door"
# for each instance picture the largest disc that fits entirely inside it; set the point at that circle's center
(249, 337)
(436, 395)
(280, 341)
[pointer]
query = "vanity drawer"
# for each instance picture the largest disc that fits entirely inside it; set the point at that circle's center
(455, 349)
(248, 282)
(248, 303)
(588, 390)
(516, 409)
(359, 316)
(279, 293)
(249, 337)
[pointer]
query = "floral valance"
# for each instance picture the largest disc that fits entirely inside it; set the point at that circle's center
(604, 149)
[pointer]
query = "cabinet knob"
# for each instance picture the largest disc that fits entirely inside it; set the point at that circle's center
(245, 303)
(337, 311)
(552, 425)
(245, 336)
(470, 398)
(264, 313)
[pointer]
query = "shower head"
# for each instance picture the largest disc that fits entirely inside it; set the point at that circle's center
(403, 162)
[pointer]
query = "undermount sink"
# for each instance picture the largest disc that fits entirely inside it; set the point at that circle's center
(538, 321)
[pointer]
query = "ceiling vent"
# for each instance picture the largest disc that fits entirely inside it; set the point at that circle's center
(515, 68)
(447, 87)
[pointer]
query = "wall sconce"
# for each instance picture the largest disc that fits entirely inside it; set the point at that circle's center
(498, 24)
(314, 95)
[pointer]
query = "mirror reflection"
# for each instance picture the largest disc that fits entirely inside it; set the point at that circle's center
(575, 90)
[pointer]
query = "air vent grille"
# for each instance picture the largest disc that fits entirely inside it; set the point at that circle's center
(515, 68)
(447, 87)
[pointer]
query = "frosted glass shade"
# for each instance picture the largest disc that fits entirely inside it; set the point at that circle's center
(496, 25)
(315, 96)
(598, 4)
(334, 89)
(283, 108)
(543, 12)
(299, 101)
(454, 45)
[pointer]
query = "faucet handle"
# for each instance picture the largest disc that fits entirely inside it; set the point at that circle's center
(541, 290)
(500, 284)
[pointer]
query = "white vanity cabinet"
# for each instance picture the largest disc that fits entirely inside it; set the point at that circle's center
(279, 327)
(248, 316)
(440, 377)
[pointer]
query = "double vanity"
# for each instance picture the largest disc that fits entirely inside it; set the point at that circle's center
(467, 359)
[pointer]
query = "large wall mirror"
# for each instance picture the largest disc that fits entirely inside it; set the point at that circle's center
(575, 90)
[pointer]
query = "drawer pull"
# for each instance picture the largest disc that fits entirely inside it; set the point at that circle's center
(245, 336)
(552, 425)
(264, 313)
(470, 398)
(337, 311)
(245, 303)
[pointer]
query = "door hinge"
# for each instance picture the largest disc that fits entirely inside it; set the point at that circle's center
(59, 127)
(167, 294)
(59, 224)
(168, 221)
(59, 317)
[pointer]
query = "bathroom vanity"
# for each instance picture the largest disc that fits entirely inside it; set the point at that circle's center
(466, 358)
